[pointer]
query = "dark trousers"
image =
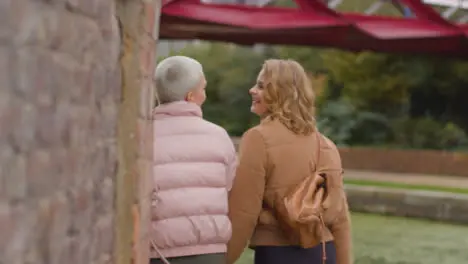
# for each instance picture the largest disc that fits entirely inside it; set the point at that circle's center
(219, 258)
(294, 254)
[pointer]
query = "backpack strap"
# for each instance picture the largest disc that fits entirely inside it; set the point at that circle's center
(322, 185)
(317, 155)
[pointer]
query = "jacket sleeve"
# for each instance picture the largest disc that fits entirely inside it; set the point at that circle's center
(341, 231)
(336, 202)
(246, 196)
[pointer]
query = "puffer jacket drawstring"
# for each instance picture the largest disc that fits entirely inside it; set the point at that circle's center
(164, 259)
(322, 240)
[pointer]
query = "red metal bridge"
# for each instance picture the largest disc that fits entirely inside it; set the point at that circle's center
(423, 29)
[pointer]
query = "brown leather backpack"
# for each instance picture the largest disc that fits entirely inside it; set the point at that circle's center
(301, 210)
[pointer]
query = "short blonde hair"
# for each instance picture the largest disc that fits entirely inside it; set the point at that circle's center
(288, 95)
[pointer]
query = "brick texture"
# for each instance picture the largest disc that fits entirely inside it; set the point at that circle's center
(432, 162)
(59, 95)
(406, 161)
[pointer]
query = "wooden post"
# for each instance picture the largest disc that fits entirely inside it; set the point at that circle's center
(139, 19)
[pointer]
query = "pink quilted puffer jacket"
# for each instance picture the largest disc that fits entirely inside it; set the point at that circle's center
(194, 166)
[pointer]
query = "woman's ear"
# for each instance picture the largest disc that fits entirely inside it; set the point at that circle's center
(189, 97)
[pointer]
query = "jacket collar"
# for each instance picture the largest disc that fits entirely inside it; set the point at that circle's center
(179, 108)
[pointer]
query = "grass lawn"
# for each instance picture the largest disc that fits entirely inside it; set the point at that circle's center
(405, 186)
(394, 240)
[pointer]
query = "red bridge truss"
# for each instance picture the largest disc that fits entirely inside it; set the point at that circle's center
(314, 23)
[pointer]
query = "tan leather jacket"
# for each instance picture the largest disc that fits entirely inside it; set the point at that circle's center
(272, 160)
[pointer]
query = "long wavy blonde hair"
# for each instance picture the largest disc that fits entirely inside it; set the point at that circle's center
(288, 95)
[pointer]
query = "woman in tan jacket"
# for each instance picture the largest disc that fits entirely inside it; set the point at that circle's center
(274, 157)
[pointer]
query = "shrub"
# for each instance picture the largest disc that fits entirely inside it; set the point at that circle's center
(427, 133)
(345, 125)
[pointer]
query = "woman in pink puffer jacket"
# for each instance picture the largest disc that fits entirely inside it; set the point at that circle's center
(194, 166)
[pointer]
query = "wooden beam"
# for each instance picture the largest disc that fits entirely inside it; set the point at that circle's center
(138, 19)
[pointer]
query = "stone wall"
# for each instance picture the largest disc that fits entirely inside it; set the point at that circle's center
(438, 206)
(59, 94)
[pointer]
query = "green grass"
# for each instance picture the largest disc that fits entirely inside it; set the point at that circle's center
(406, 186)
(394, 240)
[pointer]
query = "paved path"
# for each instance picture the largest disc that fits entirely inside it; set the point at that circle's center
(409, 178)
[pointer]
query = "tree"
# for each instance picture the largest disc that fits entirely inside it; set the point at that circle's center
(422, 96)
(373, 82)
